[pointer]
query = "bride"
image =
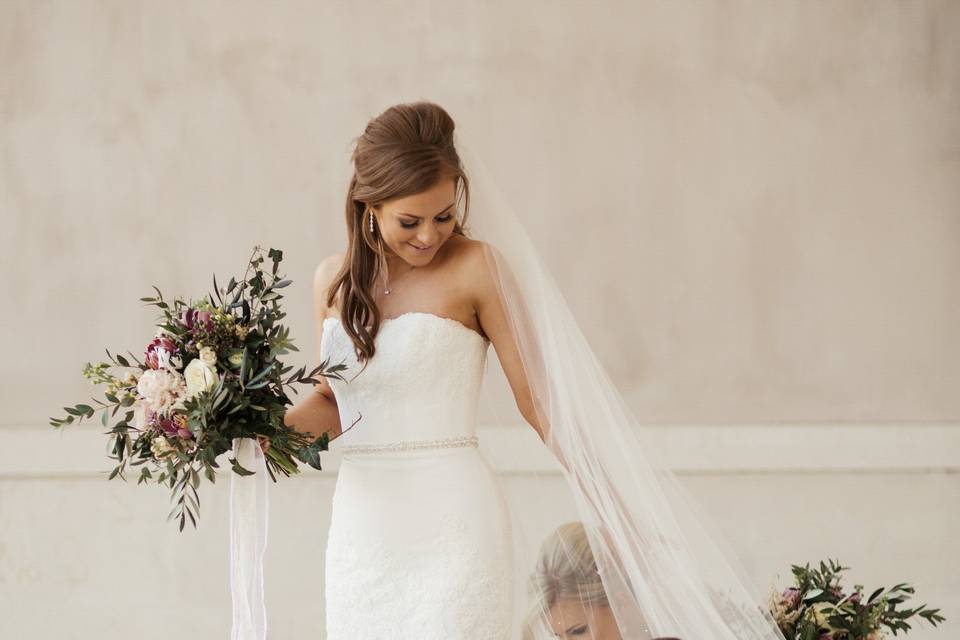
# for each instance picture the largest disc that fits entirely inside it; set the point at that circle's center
(425, 541)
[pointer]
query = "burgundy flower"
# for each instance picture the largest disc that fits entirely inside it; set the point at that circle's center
(791, 596)
(175, 426)
(181, 422)
(168, 425)
(152, 357)
(191, 317)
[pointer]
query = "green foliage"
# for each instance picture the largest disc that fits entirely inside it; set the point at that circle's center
(816, 607)
(248, 400)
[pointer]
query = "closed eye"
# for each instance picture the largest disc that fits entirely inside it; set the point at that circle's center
(411, 225)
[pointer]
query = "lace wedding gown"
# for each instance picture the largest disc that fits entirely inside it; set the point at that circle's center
(419, 545)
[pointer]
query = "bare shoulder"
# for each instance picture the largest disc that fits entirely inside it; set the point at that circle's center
(322, 279)
(465, 256)
(329, 265)
(473, 269)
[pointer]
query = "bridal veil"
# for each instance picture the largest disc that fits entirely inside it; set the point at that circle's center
(636, 542)
(625, 552)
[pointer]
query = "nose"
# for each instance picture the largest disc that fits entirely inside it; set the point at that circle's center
(429, 237)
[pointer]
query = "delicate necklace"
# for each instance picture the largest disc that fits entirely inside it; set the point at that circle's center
(388, 289)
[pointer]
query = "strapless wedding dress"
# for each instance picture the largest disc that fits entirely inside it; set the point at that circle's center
(419, 545)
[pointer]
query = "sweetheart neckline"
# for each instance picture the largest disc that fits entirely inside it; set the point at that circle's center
(423, 313)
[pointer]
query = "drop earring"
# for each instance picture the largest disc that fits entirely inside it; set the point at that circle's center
(380, 253)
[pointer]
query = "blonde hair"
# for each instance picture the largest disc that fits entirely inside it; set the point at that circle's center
(565, 568)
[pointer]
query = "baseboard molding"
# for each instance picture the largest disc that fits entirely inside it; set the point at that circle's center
(80, 451)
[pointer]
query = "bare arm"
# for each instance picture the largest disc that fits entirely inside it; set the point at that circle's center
(493, 317)
(317, 413)
(589, 477)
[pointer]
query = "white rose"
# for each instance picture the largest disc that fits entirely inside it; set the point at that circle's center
(200, 377)
(208, 356)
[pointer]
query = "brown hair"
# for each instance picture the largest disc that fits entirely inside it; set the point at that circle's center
(405, 150)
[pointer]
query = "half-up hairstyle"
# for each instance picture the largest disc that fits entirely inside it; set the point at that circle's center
(405, 150)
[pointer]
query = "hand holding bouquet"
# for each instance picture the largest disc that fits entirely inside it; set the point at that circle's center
(210, 374)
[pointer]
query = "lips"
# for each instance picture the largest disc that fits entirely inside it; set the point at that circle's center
(419, 248)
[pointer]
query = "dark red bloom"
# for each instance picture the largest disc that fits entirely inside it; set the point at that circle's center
(152, 358)
(168, 425)
(191, 317)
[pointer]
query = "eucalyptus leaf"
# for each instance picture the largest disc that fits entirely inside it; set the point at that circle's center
(240, 469)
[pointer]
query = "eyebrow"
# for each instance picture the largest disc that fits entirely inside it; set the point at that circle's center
(404, 213)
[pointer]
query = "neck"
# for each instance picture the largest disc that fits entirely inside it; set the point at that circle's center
(397, 265)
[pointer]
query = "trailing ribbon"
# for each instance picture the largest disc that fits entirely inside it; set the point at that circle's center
(248, 541)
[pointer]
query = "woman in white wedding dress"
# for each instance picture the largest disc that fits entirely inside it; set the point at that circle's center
(424, 542)
(419, 544)
(419, 540)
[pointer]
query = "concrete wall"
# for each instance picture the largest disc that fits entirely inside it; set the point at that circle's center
(753, 208)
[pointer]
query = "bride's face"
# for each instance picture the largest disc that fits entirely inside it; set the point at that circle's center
(415, 227)
(570, 619)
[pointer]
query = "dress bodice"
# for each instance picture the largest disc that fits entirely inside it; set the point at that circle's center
(419, 545)
(423, 382)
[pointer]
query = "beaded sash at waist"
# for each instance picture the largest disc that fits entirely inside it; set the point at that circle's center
(412, 445)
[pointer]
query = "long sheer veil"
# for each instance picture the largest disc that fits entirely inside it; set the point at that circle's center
(653, 556)
(610, 531)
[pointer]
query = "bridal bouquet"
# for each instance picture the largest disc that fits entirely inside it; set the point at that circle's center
(210, 374)
(817, 608)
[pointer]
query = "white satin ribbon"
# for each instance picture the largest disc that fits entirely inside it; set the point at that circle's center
(248, 541)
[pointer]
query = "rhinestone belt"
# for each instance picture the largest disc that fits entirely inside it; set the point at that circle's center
(409, 445)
